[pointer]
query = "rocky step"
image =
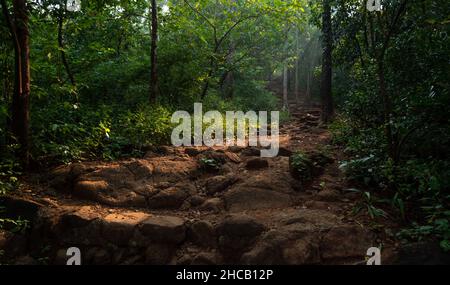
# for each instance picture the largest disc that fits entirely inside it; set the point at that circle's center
(293, 236)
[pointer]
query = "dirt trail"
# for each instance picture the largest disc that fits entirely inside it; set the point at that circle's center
(199, 206)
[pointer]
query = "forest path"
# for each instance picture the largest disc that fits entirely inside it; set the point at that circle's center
(201, 206)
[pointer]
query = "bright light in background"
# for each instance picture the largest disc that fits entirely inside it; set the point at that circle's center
(165, 9)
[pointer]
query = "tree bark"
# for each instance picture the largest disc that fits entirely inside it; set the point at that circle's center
(297, 70)
(18, 27)
(61, 48)
(325, 90)
(154, 56)
(308, 86)
(285, 88)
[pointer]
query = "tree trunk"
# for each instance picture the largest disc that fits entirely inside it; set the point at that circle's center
(308, 86)
(154, 45)
(297, 71)
(63, 52)
(387, 111)
(285, 88)
(325, 90)
(18, 27)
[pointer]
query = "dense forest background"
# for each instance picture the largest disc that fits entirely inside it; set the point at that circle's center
(102, 83)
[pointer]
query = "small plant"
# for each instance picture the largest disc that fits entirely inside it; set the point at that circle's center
(14, 225)
(367, 202)
(209, 164)
(301, 166)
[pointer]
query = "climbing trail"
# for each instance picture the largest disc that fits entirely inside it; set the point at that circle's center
(199, 206)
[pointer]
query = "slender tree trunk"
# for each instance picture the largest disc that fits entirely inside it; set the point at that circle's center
(308, 86)
(387, 110)
(18, 26)
(62, 51)
(325, 90)
(285, 88)
(206, 85)
(297, 71)
(154, 45)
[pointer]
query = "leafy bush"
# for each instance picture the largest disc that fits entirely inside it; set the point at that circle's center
(69, 132)
(418, 188)
(148, 125)
(301, 166)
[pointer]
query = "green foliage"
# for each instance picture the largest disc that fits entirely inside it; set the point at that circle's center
(14, 225)
(367, 201)
(397, 142)
(66, 132)
(210, 164)
(302, 166)
(148, 125)
(9, 170)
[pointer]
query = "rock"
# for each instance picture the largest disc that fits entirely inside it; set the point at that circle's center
(293, 244)
(215, 205)
(13, 244)
(267, 251)
(58, 178)
(165, 229)
(173, 169)
(235, 149)
(158, 254)
(282, 151)
(61, 257)
(119, 228)
(79, 218)
(247, 198)
(16, 207)
(141, 169)
(256, 163)
(226, 169)
(251, 151)
(320, 205)
(4, 237)
(196, 200)
(219, 157)
(192, 151)
(98, 256)
(328, 195)
(170, 198)
(165, 150)
(318, 219)
(162, 185)
(205, 258)
(240, 225)
(219, 183)
(236, 233)
(89, 189)
(346, 241)
(301, 251)
(132, 260)
(233, 157)
(202, 234)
